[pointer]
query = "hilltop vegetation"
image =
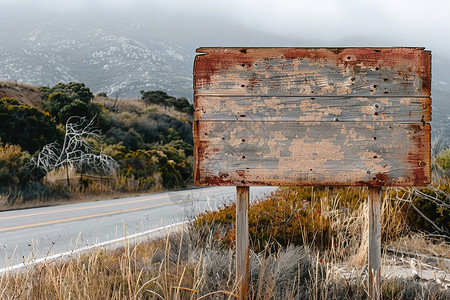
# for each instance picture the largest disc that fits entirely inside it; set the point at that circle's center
(149, 138)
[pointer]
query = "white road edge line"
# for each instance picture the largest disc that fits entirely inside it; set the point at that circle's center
(71, 252)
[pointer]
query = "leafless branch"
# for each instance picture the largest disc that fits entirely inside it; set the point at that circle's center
(76, 151)
(408, 196)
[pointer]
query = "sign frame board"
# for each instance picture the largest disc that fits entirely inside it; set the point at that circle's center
(312, 116)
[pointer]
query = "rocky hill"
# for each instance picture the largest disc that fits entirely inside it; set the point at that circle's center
(122, 59)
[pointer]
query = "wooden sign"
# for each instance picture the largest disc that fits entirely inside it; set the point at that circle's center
(311, 116)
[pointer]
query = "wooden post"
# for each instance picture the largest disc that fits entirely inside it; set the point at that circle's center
(242, 251)
(374, 251)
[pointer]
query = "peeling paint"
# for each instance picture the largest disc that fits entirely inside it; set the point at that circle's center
(299, 116)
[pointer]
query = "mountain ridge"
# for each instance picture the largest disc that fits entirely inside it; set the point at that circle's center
(110, 61)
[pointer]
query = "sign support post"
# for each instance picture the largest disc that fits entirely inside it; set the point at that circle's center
(374, 249)
(242, 250)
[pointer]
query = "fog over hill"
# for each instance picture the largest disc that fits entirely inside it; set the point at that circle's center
(123, 58)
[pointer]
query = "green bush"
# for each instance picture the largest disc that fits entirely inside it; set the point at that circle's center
(138, 132)
(162, 98)
(13, 165)
(24, 125)
(145, 166)
(443, 161)
(66, 100)
(16, 177)
(140, 165)
(102, 94)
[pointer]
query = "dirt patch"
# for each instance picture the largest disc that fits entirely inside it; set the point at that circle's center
(24, 93)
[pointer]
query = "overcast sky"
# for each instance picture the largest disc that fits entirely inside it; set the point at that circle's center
(289, 22)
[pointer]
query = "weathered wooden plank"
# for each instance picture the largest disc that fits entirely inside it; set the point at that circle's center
(242, 247)
(313, 72)
(260, 108)
(311, 153)
(374, 247)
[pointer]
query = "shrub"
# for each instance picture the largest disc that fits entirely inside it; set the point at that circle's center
(328, 219)
(24, 125)
(443, 161)
(17, 179)
(140, 165)
(13, 165)
(71, 99)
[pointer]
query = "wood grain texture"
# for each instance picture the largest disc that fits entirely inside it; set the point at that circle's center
(299, 116)
(242, 245)
(313, 72)
(374, 247)
(311, 153)
(260, 108)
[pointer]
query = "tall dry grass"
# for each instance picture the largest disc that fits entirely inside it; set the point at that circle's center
(178, 266)
(138, 107)
(193, 263)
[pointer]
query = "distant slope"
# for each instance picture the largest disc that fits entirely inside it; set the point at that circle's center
(31, 95)
(25, 93)
(118, 57)
(441, 115)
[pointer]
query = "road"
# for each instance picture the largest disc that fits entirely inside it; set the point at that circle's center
(33, 234)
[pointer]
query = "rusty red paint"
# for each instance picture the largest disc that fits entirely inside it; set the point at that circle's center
(217, 180)
(213, 62)
(253, 82)
(219, 59)
(380, 179)
(418, 160)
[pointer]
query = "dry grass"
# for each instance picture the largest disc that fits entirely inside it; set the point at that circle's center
(58, 193)
(420, 243)
(138, 107)
(175, 267)
(191, 265)
(30, 94)
(25, 93)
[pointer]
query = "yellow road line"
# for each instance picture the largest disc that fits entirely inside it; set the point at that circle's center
(86, 207)
(91, 216)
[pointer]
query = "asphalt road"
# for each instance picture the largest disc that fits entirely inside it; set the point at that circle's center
(33, 234)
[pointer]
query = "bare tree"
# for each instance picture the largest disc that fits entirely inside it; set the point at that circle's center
(77, 151)
(116, 94)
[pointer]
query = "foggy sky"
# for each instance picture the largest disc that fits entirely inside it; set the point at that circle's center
(266, 23)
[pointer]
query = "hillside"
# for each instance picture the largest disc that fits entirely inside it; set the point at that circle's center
(126, 145)
(31, 95)
(25, 93)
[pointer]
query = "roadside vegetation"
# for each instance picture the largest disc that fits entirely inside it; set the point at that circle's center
(306, 243)
(198, 261)
(149, 138)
